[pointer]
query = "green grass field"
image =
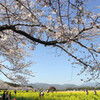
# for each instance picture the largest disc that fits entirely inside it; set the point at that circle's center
(78, 95)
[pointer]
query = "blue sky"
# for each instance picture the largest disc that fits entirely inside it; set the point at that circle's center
(52, 68)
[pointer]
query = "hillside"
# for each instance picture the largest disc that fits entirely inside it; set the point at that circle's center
(64, 86)
(57, 86)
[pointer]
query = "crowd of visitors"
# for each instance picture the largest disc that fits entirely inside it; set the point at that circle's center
(6, 95)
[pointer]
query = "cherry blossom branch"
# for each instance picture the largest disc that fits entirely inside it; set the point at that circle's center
(84, 63)
(12, 27)
(29, 11)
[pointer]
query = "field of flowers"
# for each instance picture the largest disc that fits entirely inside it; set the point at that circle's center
(77, 95)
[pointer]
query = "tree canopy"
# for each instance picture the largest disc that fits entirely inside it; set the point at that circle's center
(52, 89)
(65, 24)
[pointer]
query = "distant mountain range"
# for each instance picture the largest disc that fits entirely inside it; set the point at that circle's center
(7, 85)
(57, 86)
(64, 86)
(90, 84)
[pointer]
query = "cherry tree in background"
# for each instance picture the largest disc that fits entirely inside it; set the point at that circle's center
(64, 24)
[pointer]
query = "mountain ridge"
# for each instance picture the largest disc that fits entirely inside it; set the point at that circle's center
(62, 86)
(4, 85)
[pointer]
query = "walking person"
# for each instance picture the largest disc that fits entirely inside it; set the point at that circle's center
(10, 96)
(87, 92)
(41, 94)
(15, 92)
(4, 95)
(95, 92)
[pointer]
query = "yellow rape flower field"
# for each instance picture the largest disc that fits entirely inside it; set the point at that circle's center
(59, 95)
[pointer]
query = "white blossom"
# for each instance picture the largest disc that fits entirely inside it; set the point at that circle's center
(53, 12)
(4, 37)
(31, 3)
(40, 13)
(49, 17)
(98, 49)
